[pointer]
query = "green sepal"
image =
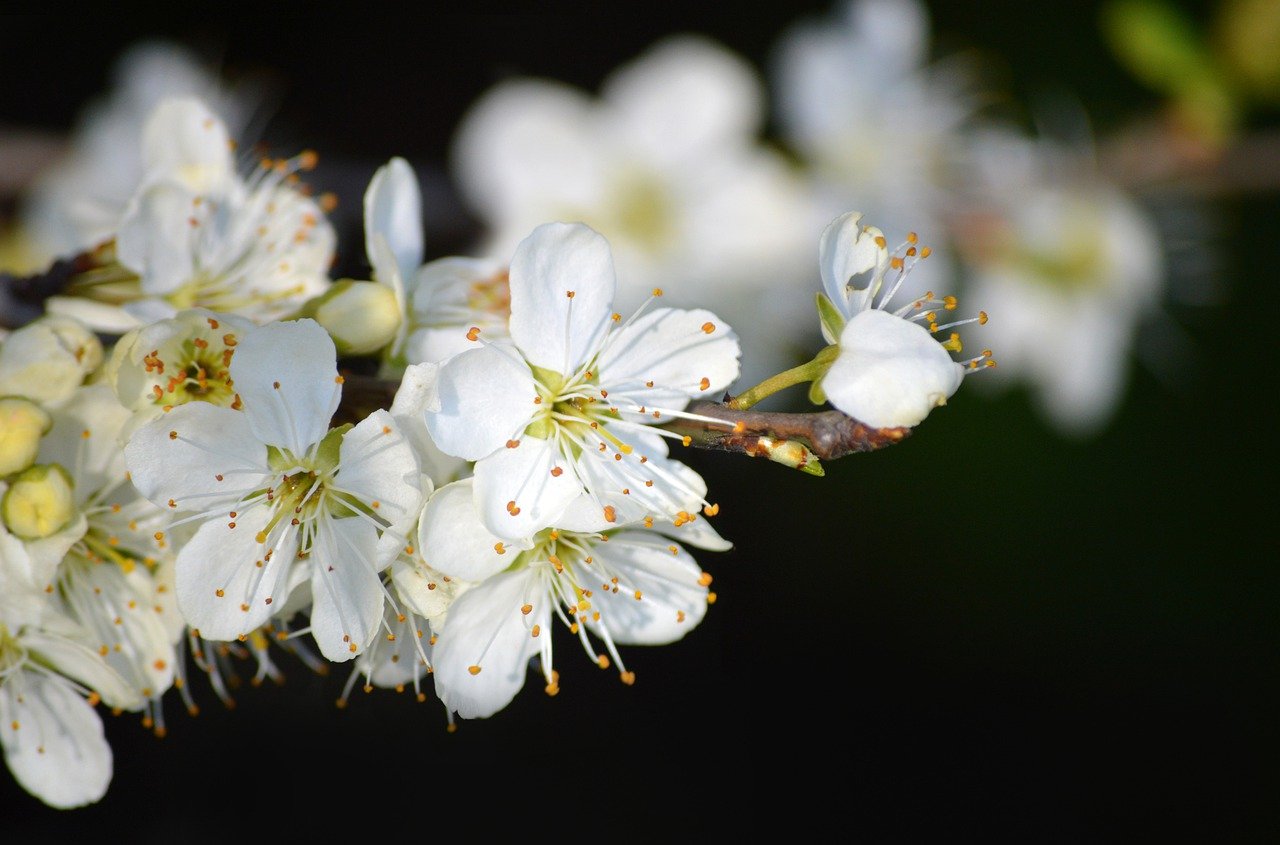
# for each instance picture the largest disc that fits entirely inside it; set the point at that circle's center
(330, 448)
(830, 317)
(817, 395)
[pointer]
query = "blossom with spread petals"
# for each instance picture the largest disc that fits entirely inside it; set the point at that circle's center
(571, 402)
(280, 498)
(626, 586)
(49, 683)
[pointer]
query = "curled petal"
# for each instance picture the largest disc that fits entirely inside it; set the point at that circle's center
(890, 372)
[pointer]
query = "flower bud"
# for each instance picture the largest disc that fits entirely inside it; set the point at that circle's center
(22, 424)
(48, 359)
(361, 317)
(39, 502)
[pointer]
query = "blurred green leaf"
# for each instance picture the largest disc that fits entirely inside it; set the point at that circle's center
(1247, 38)
(1163, 49)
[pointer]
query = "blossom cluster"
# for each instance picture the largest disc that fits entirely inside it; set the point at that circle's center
(194, 488)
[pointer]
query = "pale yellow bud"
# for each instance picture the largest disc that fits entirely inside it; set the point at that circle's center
(361, 317)
(39, 502)
(22, 424)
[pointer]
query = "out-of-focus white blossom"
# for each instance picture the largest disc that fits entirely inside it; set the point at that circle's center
(1068, 266)
(79, 201)
(667, 165)
(877, 125)
(197, 235)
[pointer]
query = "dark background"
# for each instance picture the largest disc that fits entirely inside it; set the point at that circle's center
(987, 628)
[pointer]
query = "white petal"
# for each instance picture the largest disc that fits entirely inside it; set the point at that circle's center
(417, 393)
(186, 141)
(36, 561)
(393, 209)
(454, 541)
(399, 662)
(416, 396)
(58, 751)
(345, 588)
(890, 372)
(221, 559)
(552, 329)
(83, 439)
(672, 601)
(672, 349)
(686, 98)
(516, 493)
(118, 609)
(210, 441)
(155, 239)
(848, 250)
(525, 140)
(98, 316)
(287, 375)
(485, 628)
(425, 590)
(486, 398)
(82, 664)
(675, 487)
(699, 533)
(377, 464)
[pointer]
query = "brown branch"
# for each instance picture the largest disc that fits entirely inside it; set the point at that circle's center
(826, 434)
(796, 440)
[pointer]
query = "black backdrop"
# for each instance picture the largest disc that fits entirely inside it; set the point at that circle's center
(987, 628)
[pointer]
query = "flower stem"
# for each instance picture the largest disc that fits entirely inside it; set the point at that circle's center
(806, 372)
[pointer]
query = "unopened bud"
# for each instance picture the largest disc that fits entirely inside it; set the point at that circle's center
(790, 453)
(39, 502)
(361, 317)
(22, 423)
(48, 359)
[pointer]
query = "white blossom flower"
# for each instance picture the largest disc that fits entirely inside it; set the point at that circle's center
(49, 683)
(570, 405)
(197, 235)
(878, 125)
(278, 495)
(666, 164)
(1069, 264)
(185, 358)
(79, 201)
(630, 586)
(889, 371)
(105, 580)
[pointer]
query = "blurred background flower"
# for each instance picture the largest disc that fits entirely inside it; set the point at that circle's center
(1051, 610)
